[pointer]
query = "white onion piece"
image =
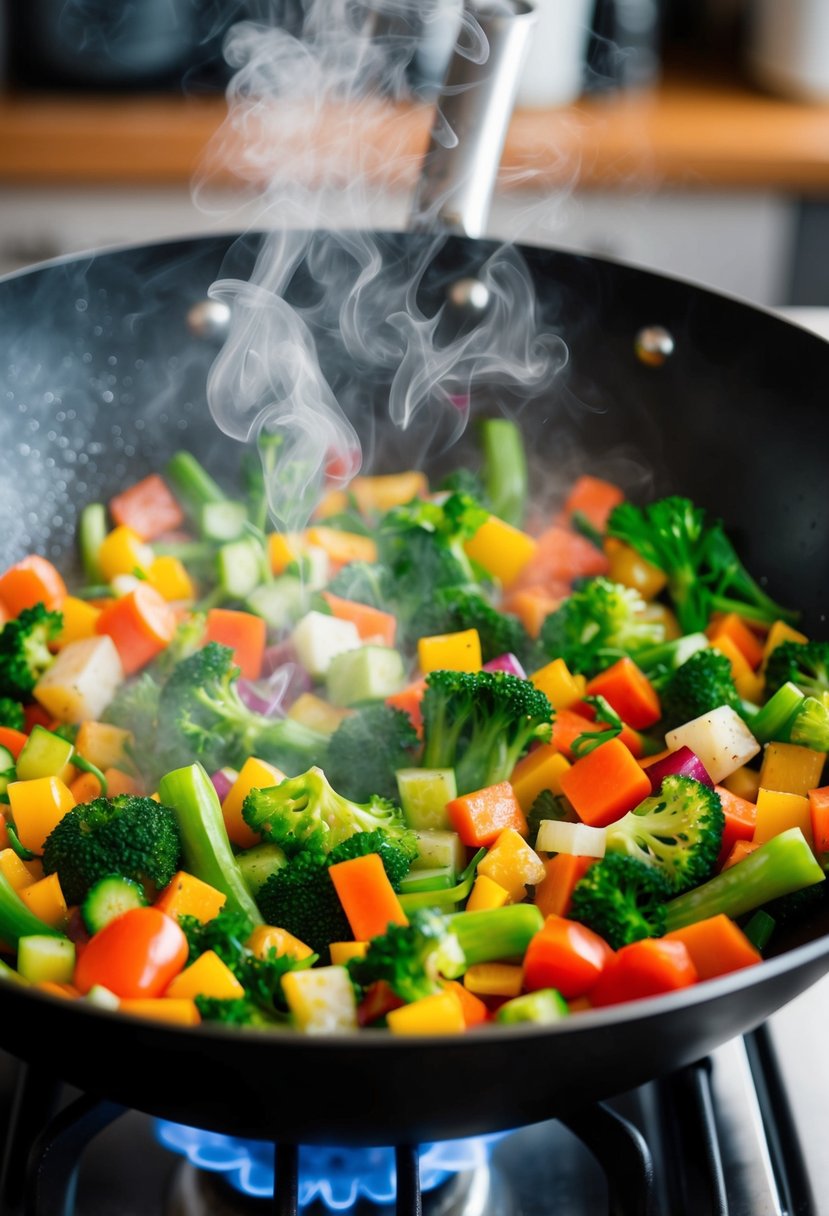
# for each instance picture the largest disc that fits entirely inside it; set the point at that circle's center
(720, 739)
(577, 839)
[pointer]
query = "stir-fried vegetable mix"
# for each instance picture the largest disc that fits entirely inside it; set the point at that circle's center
(415, 768)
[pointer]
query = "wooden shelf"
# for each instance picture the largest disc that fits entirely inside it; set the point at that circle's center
(692, 132)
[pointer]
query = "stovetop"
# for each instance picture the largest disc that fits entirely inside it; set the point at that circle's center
(741, 1134)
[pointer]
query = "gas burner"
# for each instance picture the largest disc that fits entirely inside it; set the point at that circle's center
(478, 1192)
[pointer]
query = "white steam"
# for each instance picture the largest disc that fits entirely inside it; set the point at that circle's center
(340, 327)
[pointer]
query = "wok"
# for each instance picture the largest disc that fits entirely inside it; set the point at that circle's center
(102, 379)
(735, 418)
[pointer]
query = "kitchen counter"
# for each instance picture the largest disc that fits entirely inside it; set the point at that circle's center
(699, 129)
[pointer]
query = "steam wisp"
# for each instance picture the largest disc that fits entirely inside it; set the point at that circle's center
(337, 318)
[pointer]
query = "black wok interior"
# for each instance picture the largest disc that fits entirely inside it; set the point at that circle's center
(101, 380)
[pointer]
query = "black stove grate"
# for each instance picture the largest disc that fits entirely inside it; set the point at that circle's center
(676, 1165)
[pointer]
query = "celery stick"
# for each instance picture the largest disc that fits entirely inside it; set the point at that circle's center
(778, 867)
(16, 920)
(205, 847)
(505, 469)
(774, 720)
(543, 1007)
(92, 528)
(496, 933)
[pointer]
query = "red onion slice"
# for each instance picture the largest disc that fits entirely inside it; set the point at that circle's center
(508, 663)
(681, 763)
(222, 781)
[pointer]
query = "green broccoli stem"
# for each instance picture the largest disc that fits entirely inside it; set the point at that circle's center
(16, 920)
(778, 867)
(774, 720)
(444, 900)
(496, 933)
(206, 850)
(505, 469)
(92, 528)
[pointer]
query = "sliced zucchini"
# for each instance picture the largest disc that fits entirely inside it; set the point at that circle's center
(109, 898)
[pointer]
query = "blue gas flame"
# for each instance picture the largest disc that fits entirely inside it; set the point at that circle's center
(338, 1177)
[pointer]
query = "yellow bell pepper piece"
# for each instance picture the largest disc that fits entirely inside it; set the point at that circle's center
(560, 687)
(502, 550)
(748, 682)
(512, 864)
(437, 1014)
(266, 938)
(79, 620)
(380, 493)
(122, 551)
(744, 782)
(450, 652)
(16, 872)
(169, 576)
(207, 976)
(341, 952)
(541, 770)
(282, 550)
(253, 775)
(494, 979)
(37, 808)
(631, 570)
(181, 1012)
(317, 713)
(103, 745)
(778, 811)
(341, 546)
(487, 894)
(791, 768)
(186, 895)
(45, 899)
(321, 1000)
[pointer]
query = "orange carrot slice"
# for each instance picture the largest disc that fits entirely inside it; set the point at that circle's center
(481, 816)
(245, 634)
(629, 691)
(370, 622)
(366, 895)
(32, 580)
(716, 946)
(148, 507)
(605, 784)
(140, 624)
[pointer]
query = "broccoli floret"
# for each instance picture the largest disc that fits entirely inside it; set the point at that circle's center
(302, 898)
(453, 609)
(422, 545)
(463, 481)
(599, 623)
(24, 650)
(187, 639)
(128, 835)
(135, 708)
(705, 574)
(364, 583)
(201, 715)
(701, 684)
(412, 958)
(367, 749)
(679, 831)
(11, 713)
(480, 724)
(805, 664)
(226, 935)
(306, 812)
(622, 898)
(548, 805)
(798, 906)
(239, 1012)
(810, 725)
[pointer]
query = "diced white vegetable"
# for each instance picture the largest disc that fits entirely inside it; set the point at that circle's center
(369, 673)
(43, 957)
(123, 584)
(424, 793)
(102, 997)
(577, 839)
(318, 638)
(439, 849)
(720, 739)
(82, 680)
(321, 1000)
(316, 568)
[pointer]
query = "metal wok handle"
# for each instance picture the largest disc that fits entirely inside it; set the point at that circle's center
(456, 182)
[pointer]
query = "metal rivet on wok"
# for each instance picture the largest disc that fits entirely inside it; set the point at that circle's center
(654, 344)
(469, 295)
(209, 319)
